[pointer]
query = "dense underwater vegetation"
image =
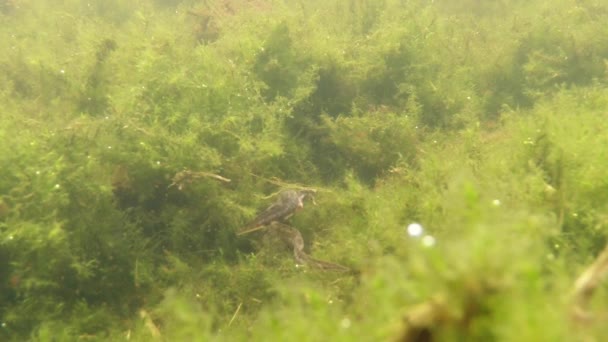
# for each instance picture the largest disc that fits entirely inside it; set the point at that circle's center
(139, 136)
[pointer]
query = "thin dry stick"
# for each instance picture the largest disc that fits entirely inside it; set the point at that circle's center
(215, 176)
(247, 231)
(282, 185)
(588, 281)
(186, 177)
(154, 331)
(235, 313)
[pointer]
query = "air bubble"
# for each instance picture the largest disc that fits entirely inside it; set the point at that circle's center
(415, 229)
(428, 241)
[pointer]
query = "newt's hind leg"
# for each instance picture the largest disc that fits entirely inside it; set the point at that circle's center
(294, 239)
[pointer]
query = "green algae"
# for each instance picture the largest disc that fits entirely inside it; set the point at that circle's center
(482, 121)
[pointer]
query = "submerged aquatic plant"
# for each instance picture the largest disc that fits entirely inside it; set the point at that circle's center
(459, 150)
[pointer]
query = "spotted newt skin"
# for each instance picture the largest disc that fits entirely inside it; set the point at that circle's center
(287, 204)
(273, 217)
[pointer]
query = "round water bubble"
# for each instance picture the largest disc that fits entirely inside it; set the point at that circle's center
(415, 229)
(345, 323)
(428, 241)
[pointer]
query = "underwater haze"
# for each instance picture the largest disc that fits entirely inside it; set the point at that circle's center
(303, 170)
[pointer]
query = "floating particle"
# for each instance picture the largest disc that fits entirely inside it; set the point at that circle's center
(496, 202)
(345, 323)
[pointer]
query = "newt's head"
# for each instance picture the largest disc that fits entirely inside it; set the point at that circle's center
(303, 194)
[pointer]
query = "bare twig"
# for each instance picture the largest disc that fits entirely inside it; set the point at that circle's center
(154, 331)
(283, 184)
(186, 177)
(251, 230)
(235, 313)
(587, 282)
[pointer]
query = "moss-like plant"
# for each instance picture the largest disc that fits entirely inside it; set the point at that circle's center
(459, 150)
